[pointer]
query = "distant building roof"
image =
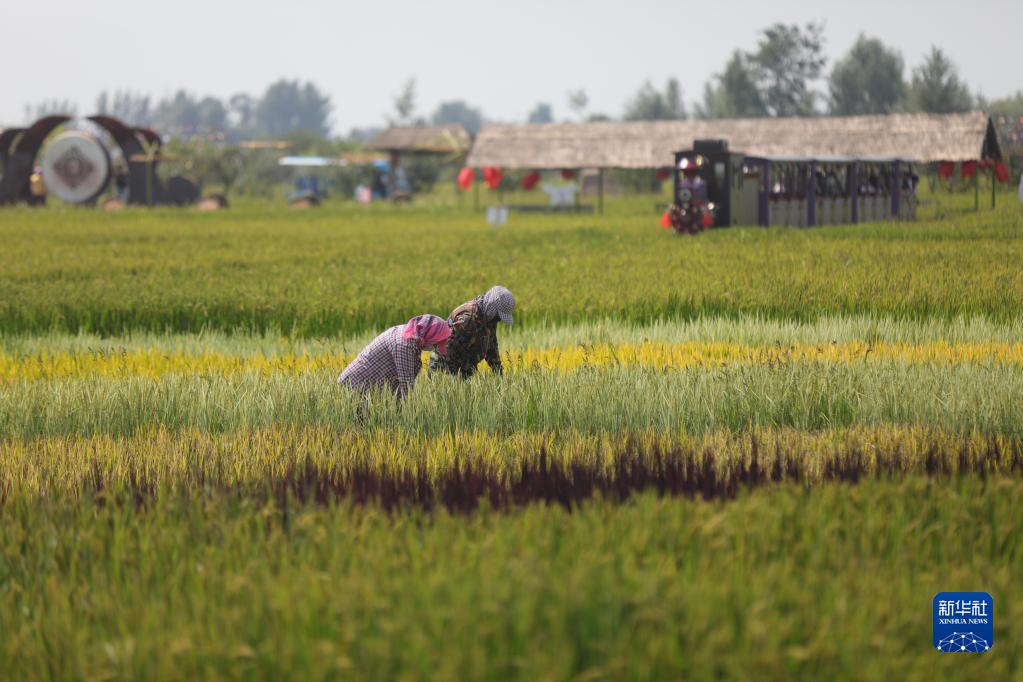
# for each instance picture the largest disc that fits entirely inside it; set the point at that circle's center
(445, 139)
(651, 144)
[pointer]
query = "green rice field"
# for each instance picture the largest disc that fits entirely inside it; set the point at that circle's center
(753, 454)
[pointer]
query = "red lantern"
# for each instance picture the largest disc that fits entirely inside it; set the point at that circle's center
(465, 177)
(1001, 172)
(666, 220)
(530, 180)
(492, 176)
(968, 169)
(567, 174)
(663, 174)
(945, 169)
(707, 219)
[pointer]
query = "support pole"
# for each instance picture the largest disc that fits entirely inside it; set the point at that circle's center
(897, 191)
(811, 196)
(976, 190)
(600, 190)
(764, 205)
(475, 194)
(992, 185)
(854, 193)
(579, 189)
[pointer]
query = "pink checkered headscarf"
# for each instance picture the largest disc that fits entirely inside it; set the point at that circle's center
(428, 330)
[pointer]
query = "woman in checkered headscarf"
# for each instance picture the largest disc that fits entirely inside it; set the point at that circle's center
(393, 359)
(474, 333)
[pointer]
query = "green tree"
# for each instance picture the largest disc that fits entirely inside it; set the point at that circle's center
(405, 104)
(787, 62)
(457, 111)
(178, 114)
(867, 80)
(186, 116)
(212, 114)
(50, 107)
(650, 105)
(288, 106)
(134, 109)
(733, 93)
(577, 102)
(936, 87)
(1006, 106)
(242, 112)
(218, 164)
(542, 113)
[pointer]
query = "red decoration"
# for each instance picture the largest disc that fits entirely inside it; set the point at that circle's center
(663, 174)
(666, 220)
(707, 219)
(465, 177)
(492, 176)
(986, 164)
(530, 180)
(1001, 172)
(567, 174)
(968, 169)
(945, 169)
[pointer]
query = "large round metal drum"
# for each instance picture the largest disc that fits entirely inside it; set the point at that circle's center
(76, 167)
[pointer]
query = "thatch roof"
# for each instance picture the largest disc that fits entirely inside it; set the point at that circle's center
(915, 137)
(445, 139)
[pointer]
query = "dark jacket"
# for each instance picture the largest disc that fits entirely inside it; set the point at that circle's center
(473, 338)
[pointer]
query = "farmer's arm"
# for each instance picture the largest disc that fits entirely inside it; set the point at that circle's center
(493, 356)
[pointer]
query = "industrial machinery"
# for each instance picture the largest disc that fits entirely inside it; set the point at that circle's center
(76, 164)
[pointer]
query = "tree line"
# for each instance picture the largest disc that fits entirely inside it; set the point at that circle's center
(786, 74)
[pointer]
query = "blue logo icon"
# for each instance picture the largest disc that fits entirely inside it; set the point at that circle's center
(964, 622)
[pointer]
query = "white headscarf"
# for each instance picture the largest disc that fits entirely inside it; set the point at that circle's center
(498, 302)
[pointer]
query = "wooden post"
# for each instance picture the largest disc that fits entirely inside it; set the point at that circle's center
(854, 192)
(811, 195)
(976, 190)
(897, 191)
(579, 189)
(600, 190)
(992, 185)
(764, 203)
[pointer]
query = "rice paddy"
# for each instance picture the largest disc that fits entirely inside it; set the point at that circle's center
(756, 454)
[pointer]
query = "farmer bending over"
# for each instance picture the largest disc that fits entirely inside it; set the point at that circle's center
(393, 359)
(474, 333)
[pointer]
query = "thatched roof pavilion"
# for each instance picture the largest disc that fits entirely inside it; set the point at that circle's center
(445, 139)
(911, 137)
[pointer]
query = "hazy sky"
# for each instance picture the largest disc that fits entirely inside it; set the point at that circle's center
(502, 57)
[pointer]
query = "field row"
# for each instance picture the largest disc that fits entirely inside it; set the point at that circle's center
(737, 331)
(652, 355)
(335, 272)
(460, 470)
(777, 584)
(809, 395)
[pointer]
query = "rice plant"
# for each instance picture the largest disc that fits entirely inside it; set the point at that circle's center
(339, 272)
